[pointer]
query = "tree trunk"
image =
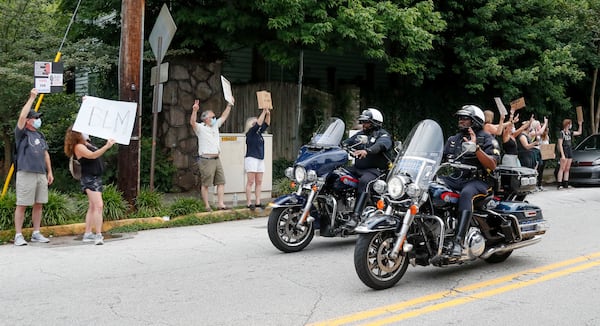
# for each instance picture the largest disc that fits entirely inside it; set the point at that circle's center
(130, 62)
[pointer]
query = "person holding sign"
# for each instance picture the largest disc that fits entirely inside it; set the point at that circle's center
(92, 167)
(565, 148)
(209, 148)
(254, 161)
(34, 171)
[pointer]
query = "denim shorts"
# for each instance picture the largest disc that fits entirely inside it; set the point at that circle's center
(91, 182)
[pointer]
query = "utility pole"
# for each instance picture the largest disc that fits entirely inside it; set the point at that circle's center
(130, 89)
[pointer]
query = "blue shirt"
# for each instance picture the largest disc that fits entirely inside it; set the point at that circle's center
(255, 143)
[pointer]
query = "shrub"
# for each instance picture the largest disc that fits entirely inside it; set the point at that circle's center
(279, 167)
(7, 210)
(186, 206)
(149, 203)
(115, 207)
(281, 187)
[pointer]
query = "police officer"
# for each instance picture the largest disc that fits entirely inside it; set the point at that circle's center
(371, 158)
(470, 184)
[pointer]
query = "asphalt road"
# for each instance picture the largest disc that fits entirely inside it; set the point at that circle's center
(230, 274)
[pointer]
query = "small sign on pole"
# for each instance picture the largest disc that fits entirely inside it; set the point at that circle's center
(48, 76)
(164, 74)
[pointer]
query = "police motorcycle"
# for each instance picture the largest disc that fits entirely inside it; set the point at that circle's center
(325, 192)
(417, 214)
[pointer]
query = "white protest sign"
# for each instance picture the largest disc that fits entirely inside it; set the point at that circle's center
(106, 119)
(227, 90)
(501, 107)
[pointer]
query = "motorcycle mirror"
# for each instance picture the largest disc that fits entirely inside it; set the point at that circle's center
(363, 139)
(469, 147)
(398, 146)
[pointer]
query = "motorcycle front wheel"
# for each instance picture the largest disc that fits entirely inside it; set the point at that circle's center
(285, 233)
(373, 263)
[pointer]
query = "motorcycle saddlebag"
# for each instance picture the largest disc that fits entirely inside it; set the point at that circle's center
(520, 180)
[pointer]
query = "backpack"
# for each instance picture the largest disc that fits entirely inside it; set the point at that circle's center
(75, 168)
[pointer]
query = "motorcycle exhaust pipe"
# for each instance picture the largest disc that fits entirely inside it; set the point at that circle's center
(512, 246)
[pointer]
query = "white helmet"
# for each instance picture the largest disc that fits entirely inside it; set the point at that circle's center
(371, 115)
(473, 112)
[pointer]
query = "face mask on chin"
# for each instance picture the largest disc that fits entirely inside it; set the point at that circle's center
(213, 121)
(37, 123)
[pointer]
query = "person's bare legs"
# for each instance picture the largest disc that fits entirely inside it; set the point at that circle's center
(95, 209)
(249, 184)
(258, 188)
(204, 192)
(36, 216)
(567, 169)
(19, 218)
(220, 195)
(561, 170)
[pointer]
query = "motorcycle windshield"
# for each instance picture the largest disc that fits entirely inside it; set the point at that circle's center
(329, 134)
(421, 154)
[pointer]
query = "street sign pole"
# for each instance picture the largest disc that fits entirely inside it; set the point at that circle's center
(155, 115)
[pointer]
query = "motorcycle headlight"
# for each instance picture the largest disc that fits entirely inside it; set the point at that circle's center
(311, 176)
(289, 173)
(379, 186)
(412, 190)
(299, 174)
(396, 187)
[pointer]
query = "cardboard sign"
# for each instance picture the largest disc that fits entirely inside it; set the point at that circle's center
(517, 104)
(227, 90)
(264, 100)
(500, 106)
(106, 119)
(548, 151)
(579, 114)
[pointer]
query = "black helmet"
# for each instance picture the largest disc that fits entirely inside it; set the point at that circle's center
(473, 112)
(371, 115)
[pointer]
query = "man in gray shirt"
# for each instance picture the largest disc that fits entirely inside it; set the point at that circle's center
(34, 171)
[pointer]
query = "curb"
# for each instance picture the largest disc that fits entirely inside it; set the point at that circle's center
(79, 228)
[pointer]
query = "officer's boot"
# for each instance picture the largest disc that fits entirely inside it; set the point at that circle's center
(358, 207)
(461, 232)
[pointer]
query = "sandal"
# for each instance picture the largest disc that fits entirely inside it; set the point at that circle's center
(251, 207)
(224, 208)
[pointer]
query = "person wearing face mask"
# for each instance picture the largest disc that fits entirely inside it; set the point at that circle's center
(34, 171)
(565, 148)
(209, 148)
(254, 161)
(470, 184)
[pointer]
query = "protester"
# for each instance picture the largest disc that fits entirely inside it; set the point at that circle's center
(471, 184)
(509, 142)
(34, 171)
(254, 160)
(544, 140)
(92, 166)
(525, 146)
(535, 133)
(209, 148)
(565, 148)
(490, 127)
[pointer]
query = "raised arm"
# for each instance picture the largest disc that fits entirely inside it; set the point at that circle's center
(194, 116)
(580, 130)
(225, 114)
(23, 115)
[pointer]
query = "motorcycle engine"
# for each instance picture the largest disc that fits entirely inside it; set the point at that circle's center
(475, 243)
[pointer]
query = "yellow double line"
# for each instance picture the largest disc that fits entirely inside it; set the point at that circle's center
(393, 313)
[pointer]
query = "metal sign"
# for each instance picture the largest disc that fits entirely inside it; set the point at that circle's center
(164, 29)
(164, 74)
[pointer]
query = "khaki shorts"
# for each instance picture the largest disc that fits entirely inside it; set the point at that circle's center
(32, 188)
(211, 172)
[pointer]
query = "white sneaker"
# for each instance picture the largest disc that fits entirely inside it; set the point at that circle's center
(88, 237)
(20, 240)
(38, 237)
(98, 239)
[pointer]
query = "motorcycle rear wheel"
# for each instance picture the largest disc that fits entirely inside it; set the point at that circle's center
(373, 264)
(285, 233)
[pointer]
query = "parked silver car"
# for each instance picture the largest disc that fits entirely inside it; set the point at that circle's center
(585, 169)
